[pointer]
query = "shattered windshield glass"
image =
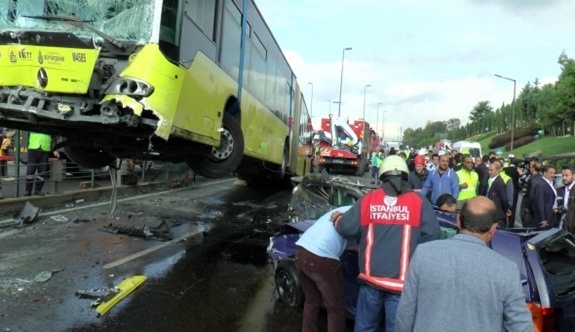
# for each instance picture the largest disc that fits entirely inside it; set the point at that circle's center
(128, 20)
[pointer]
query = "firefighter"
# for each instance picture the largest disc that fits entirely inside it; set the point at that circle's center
(390, 222)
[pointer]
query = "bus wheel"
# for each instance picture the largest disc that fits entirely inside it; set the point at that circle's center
(223, 159)
(88, 157)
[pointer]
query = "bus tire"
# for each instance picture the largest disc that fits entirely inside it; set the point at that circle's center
(224, 159)
(88, 157)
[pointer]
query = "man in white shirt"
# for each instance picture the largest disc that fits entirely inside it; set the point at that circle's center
(317, 263)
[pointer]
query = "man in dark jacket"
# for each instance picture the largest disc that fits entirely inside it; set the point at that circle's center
(566, 197)
(483, 174)
(419, 174)
(390, 221)
(529, 196)
(497, 192)
(544, 200)
(513, 173)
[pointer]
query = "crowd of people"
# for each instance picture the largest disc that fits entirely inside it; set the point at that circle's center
(403, 276)
(514, 185)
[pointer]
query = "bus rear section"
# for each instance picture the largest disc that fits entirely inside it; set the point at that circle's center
(154, 80)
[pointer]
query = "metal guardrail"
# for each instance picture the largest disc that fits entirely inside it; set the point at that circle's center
(61, 176)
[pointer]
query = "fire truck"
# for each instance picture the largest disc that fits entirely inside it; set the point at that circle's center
(344, 147)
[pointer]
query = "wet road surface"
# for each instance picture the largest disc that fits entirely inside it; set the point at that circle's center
(190, 287)
(222, 282)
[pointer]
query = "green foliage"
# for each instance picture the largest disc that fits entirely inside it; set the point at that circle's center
(431, 134)
(549, 146)
(480, 110)
(505, 138)
(481, 137)
(520, 142)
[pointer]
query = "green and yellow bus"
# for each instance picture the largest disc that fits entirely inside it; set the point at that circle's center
(196, 81)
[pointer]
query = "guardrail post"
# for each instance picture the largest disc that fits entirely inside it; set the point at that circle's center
(57, 172)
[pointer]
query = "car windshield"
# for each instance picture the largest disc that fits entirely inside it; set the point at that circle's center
(128, 20)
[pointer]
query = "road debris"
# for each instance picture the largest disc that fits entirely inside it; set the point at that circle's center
(152, 233)
(59, 218)
(27, 215)
(45, 275)
(107, 298)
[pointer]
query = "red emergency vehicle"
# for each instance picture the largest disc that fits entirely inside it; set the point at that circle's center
(344, 147)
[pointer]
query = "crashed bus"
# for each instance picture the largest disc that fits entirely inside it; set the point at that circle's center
(171, 80)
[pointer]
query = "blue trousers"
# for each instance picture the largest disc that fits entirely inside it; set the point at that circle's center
(374, 174)
(371, 305)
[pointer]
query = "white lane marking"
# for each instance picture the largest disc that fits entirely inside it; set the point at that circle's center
(152, 249)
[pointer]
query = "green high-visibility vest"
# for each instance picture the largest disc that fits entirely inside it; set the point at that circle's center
(39, 141)
(472, 179)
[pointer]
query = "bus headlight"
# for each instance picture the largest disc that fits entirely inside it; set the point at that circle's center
(130, 87)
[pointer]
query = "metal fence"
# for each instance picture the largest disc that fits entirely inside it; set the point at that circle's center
(63, 176)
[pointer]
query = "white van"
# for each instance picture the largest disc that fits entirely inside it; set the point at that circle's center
(467, 147)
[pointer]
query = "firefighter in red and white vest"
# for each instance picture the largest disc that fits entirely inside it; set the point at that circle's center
(390, 222)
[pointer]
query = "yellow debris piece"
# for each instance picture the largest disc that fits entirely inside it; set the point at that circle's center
(127, 286)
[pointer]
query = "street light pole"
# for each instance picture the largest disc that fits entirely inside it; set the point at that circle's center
(335, 102)
(377, 122)
(341, 79)
(513, 111)
(383, 125)
(311, 101)
(364, 94)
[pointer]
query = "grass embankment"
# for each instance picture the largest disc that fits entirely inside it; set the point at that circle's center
(550, 145)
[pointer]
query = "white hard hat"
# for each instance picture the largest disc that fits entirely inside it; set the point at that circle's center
(316, 137)
(393, 165)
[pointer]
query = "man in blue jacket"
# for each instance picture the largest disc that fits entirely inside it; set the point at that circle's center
(443, 180)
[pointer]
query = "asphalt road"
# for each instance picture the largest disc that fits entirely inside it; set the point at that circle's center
(217, 279)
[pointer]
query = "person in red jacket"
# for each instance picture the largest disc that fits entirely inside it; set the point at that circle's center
(390, 221)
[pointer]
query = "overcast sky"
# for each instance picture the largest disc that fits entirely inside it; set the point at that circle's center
(425, 60)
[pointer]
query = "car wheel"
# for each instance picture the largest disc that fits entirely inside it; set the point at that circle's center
(225, 158)
(88, 157)
(288, 284)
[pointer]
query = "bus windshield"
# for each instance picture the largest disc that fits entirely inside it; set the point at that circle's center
(128, 20)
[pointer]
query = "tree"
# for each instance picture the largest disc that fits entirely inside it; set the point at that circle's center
(480, 110)
(452, 124)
